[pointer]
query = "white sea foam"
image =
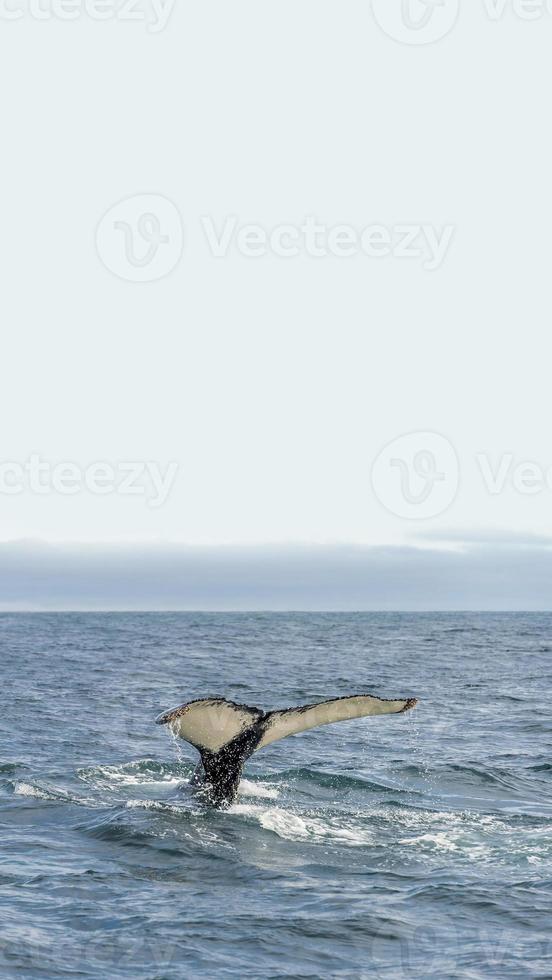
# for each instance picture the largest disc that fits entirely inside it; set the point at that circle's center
(263, 790)
(442, 841)
(56, 795)
(130, 774)
(141, 780)
(25, 789)
(153, 805)
(292, 826)
(472, 836)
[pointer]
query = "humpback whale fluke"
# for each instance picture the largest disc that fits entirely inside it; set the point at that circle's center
(226, 734)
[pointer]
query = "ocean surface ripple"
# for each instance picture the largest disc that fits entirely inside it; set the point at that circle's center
(409, 846)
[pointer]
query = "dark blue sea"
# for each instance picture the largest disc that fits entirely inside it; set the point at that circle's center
(417, 845)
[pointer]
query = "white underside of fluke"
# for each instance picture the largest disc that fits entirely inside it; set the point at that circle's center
(214, 722)
(295, 720)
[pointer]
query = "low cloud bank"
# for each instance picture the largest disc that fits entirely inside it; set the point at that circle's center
(477, 574)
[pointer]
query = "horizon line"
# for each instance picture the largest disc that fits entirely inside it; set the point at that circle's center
(277, 612)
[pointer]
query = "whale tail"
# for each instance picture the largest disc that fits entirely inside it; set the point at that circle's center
(226, 734)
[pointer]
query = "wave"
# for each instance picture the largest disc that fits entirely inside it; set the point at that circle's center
(415, 826)
(297, 827)
(115, 830)
(21, 788)
(462, 629)
(160, 805)
(470, 774)
(416, 778)
(10, 768)
(138, 773)
(412, 834)
(329, 780)
(150, 774)
(248, 787)
(27, 789)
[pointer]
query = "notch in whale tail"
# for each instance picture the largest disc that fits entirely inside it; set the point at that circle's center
(226, 734)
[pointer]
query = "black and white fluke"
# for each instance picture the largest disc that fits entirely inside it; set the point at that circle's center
(226, 734)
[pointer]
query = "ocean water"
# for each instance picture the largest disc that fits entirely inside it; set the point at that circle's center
(417, 845)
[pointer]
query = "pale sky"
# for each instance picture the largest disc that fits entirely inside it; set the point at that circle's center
(274, 382)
